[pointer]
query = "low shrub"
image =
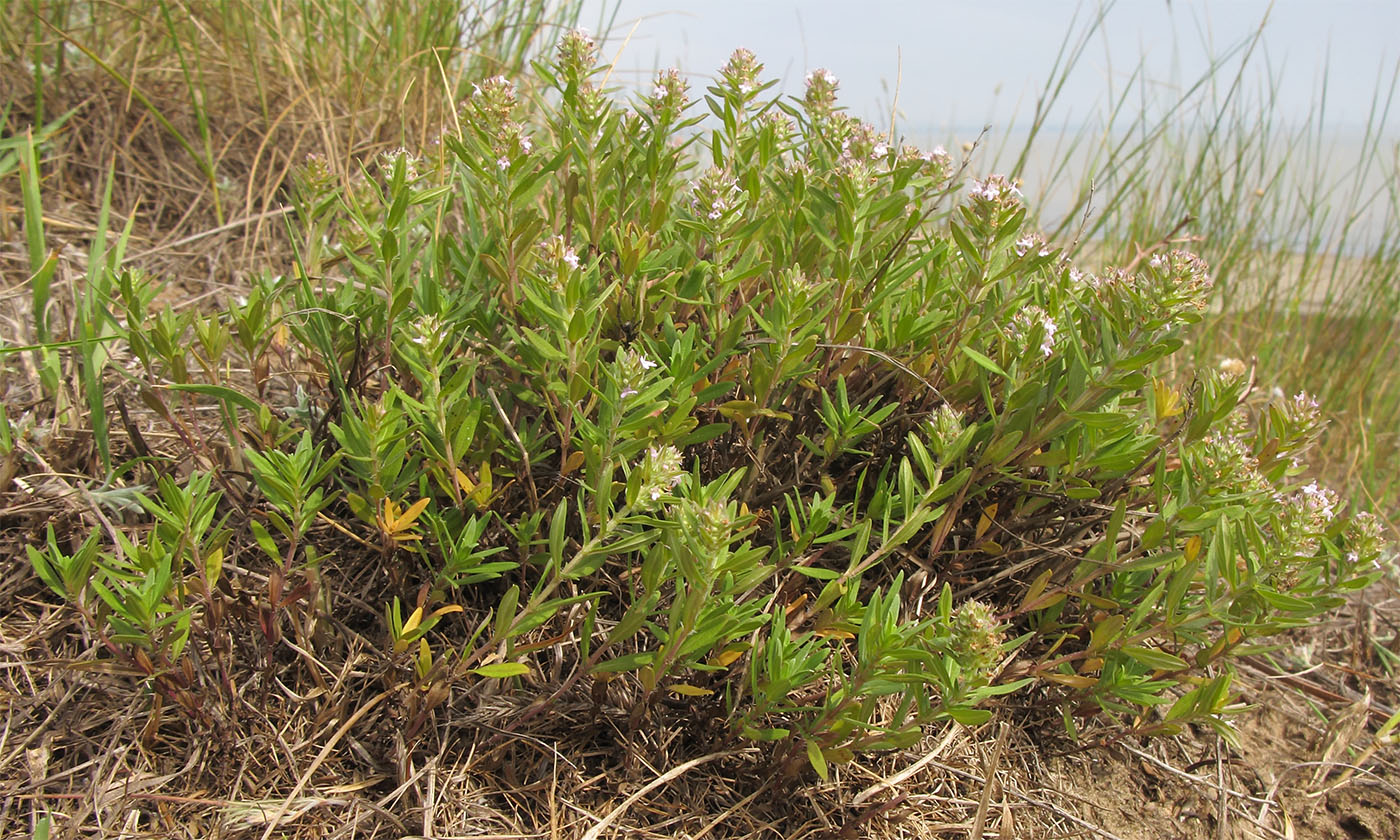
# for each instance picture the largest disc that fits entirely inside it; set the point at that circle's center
(762, 422)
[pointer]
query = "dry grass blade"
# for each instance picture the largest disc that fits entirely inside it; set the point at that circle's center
(660, 781)
(979, 822)
(287, 804)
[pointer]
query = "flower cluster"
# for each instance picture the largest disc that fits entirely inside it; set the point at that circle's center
(558, 258)
(862, 142)
(820, 98)
(393, 158)
(1033, 321)
(1226, 464)
(669, 95)
(1184, 277)
(632, 370)
(316, 177)
(936, 164)
(716, 528)
(976, 637)
(1032, 243)
(1233, 369)
(776, 124)
(714, 194)
(1304, 420)
(1306, 515)
(577, 52)
(945, 427)
(994, 193)
(740, 73)
(1365, 538)
(797, 285)
(660, 472)
(493, 103)
(494, 99)
(429, 333)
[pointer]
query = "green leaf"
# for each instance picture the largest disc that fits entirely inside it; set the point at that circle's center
(265, 540)
(968, 716)
(219, 392)
(1153, 658)
(814, 755)
(983, 361)
(629, 662)
(502, 670)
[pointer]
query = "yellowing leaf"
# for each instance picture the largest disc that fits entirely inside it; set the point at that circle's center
(1166, 398)
(482, 494)
(1037, 587)
(688, 690)
(413, 621)
(466, 485)
(573, 462)
(833, 633)
(410, 516)
(396, 523)
(728, 656)
(988, 514)
(1193, 548)
(1072, 680)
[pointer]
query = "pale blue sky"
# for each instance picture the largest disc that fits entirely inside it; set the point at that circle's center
(967, 63)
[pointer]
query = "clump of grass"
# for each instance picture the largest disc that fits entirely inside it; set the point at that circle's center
(204, 109)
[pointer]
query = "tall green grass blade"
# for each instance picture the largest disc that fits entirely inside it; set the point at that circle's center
(96, 325)
(41, 264)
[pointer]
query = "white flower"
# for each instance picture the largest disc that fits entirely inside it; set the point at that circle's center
(1321, 499)
(503, 163)
(571, 257)
(647, 364)
(1047, 344)
(879, 151)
